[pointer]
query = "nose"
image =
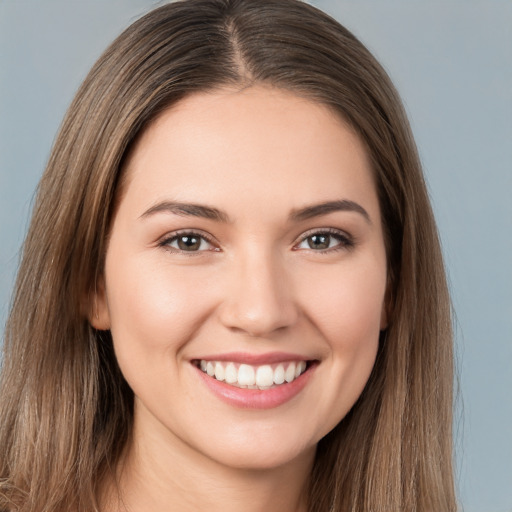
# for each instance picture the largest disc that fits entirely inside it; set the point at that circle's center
(258, 299)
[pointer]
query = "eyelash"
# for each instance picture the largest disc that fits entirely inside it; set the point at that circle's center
(345, 241)
(165, 243)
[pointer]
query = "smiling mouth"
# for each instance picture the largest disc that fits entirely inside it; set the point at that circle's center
(248, 376)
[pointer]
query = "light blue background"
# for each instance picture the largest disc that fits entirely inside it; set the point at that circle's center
(452, 62)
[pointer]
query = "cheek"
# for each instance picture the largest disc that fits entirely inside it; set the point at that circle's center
(153, 310)
(346, 305)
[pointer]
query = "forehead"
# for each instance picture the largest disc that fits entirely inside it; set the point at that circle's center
(259, 140)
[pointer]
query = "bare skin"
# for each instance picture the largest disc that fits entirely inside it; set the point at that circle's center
(248, 230)
(151, 483)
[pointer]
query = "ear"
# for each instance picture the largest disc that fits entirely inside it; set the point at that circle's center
(98, 313)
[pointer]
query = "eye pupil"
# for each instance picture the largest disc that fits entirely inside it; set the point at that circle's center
(319, 241)
(189, 243)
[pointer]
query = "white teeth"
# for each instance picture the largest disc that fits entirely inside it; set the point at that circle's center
(279, 374)
(253, 377)
(289, 375)
(219, 371)
(231, 375)
(264, 376)
(246, 375)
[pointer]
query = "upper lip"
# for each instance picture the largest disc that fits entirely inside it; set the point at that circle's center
(254, 359)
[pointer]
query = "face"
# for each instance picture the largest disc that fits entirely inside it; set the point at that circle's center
(245, 276)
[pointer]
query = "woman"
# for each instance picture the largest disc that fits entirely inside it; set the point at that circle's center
(232, 292)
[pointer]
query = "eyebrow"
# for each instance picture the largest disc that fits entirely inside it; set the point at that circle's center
(317, 210)
(187, 209)
(208, 212)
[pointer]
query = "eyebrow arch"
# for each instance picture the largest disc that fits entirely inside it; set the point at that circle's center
(187, 209)
(317, 210)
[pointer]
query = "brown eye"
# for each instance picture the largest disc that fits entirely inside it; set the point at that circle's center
(325, 241)
(319, 242)
(188, 242)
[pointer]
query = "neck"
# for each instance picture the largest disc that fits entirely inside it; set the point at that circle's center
(157, 477)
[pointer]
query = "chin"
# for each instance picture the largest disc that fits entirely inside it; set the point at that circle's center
(258, 458)
(262, 450)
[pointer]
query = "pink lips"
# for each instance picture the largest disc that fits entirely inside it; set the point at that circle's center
(255, 398)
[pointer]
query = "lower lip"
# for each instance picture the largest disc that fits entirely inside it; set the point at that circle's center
(256, 398)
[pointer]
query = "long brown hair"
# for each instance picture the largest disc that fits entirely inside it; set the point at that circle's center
(65, 409)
